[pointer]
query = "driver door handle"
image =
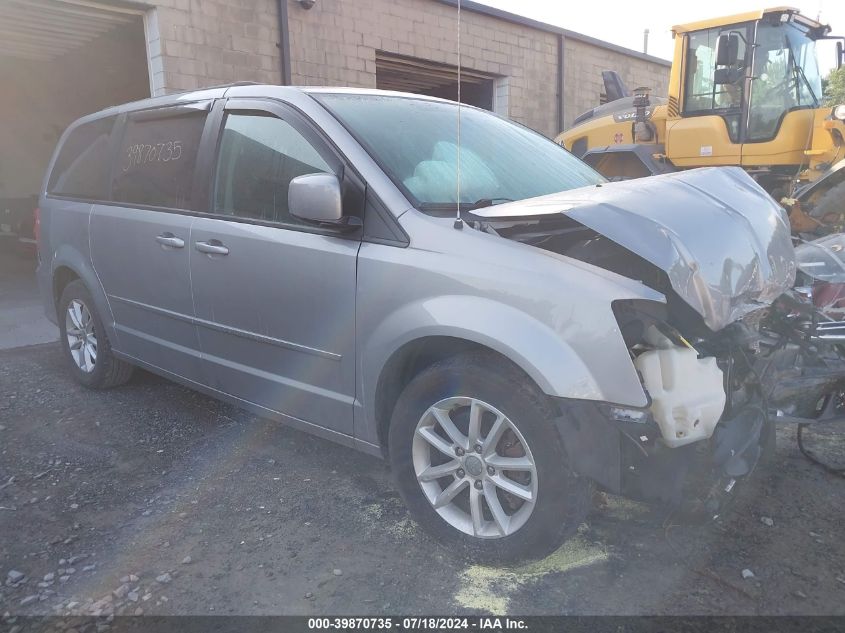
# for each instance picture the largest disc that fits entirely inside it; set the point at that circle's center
(212, 247)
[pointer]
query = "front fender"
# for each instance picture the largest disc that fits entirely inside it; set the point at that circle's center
(541, 352)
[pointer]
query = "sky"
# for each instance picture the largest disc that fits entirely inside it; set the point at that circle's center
(623, 23)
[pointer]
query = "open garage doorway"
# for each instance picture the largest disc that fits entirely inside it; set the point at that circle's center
(420, 76)
(59, 60)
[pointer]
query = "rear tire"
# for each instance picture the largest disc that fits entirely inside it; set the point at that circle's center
(87, 348)
(498, 391)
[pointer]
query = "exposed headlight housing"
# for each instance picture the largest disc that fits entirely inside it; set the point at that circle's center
(839, 112)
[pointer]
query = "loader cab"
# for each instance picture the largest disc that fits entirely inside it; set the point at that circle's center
(716, 63)
(744, 86)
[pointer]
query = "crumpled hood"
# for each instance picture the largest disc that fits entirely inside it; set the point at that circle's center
(723, 241)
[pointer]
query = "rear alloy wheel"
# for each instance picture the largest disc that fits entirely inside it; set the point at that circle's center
(84, 340)
(81, 338)
(479, 462)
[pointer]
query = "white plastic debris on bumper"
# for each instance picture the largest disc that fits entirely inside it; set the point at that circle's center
(687, 393)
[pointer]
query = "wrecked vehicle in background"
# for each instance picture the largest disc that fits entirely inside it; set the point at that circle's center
(549, 331)
(821, 274)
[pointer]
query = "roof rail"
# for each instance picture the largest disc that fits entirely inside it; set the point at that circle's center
(183, 92)
(216, 87)
(231, 85)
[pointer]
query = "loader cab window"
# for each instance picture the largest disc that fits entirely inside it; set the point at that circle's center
(786, 77)
(702, 94)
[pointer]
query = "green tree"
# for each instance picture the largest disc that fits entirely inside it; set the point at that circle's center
(835, 91)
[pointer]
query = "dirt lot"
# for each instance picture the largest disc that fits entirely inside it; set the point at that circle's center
(154, 499)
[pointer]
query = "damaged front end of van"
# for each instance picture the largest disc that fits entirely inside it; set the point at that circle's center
(731, 350)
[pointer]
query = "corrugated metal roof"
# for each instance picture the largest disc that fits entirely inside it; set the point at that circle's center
(47, 29)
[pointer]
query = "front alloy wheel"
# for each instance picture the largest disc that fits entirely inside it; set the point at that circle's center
(475, 467)
(477, 457)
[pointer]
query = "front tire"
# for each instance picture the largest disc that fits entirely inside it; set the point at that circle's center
(84, 341)
(479, 462)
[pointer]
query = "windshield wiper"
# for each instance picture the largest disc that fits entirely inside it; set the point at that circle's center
(451, 207)
(487, 202)
(799, 71)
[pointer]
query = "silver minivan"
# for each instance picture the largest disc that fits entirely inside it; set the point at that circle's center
(485, 311)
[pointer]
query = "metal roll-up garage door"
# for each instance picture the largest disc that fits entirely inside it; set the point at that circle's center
(420, 76)
(59, 60)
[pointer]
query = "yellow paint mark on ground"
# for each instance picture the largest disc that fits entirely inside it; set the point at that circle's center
(621, 508)
(404, 528)
(490, 588)
(374, 510)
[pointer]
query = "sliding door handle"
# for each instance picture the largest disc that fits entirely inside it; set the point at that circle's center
(168, 239)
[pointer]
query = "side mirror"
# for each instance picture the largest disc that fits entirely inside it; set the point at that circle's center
(727, 49)
(316, 198)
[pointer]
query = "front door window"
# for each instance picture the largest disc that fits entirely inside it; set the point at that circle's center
(259, 156)
(703, 95)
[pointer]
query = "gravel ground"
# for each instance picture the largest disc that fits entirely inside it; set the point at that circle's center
(154, 499)
(22, 320)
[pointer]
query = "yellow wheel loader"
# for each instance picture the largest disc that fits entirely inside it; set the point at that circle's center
(744, 90)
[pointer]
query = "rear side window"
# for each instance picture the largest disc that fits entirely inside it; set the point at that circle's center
(156, 161)
(83, 164)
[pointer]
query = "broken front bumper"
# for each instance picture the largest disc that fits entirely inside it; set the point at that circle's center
(622, 450)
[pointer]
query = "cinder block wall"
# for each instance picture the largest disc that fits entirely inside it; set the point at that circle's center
(195, 43)
(336, 41)
(583, 66)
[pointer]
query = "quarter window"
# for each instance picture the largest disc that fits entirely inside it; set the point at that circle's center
(83, 164)
(259, 156)
(156, 162)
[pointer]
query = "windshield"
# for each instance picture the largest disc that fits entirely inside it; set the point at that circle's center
(415, 141)
(786, 77)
